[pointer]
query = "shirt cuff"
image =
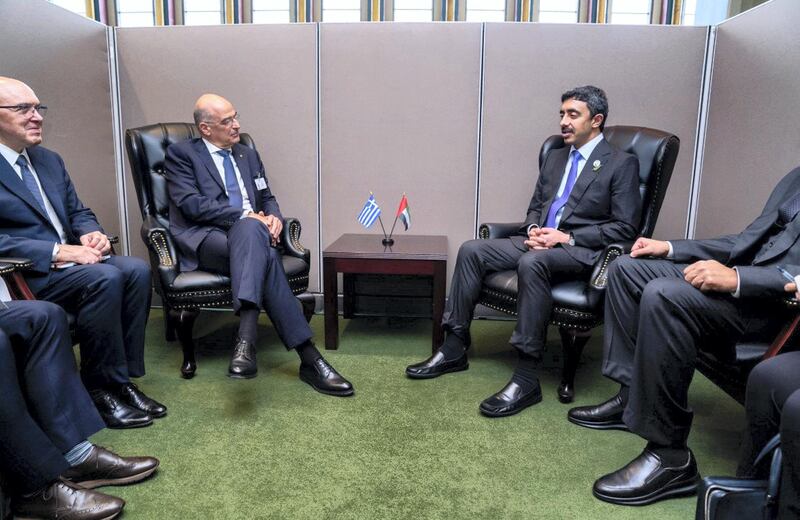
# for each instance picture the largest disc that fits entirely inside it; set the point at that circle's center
(738, 291)
(670, 253)
(55, 252)
(531, 227)
(244, 214)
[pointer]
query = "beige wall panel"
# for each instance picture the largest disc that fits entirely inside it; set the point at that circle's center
(267, 71)
(753, 132)
(64, 58)
(651, 74)
(400, 114)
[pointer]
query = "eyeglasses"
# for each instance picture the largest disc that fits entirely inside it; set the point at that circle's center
(228, 121)
(27, 109)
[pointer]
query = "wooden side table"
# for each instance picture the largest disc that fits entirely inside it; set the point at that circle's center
(365, 254)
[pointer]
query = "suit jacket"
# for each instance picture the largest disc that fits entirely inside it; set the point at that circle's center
(198, 202)
(604, 206)
(25, 229)
(756, 251)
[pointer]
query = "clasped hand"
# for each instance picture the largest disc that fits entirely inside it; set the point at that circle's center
(545, 238)
(273, 223)
(93, 247)
(706, 275)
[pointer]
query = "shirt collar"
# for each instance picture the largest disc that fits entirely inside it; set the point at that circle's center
(212, 148)
(11, 155)
(587, 149)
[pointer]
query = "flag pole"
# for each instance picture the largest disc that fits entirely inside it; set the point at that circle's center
(395, 219)
(387, 240)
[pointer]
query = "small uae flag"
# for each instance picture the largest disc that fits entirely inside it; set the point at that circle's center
(403, 213)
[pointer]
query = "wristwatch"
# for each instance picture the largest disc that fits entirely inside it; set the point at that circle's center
(571, 240)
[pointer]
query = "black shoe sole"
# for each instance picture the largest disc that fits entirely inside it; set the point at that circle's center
(506, 413)
(129, 426)
(608, 425)
(437, 374)
(242, 376)
(337, 393)
(678, 489)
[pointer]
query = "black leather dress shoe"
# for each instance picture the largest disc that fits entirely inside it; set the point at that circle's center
(604, 416)
(62, 500)
(325, 379)
(130, 394)
(646, 479)
(243, 360)
(106, 468)
(435, 366)
(510, 400)
(116, 414)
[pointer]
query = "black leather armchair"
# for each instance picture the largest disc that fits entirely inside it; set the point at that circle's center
(184, 294)
(578, 304)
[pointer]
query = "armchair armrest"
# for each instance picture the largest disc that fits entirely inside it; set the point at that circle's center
(599, 278)
(498, 229)
(11, 271)
(162, 250)
(290, 240)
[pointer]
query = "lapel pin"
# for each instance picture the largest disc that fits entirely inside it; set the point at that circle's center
(596, 165)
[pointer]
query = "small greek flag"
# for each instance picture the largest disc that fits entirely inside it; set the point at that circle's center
(370, 213)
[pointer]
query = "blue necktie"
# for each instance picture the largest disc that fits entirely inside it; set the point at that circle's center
(231, 184)
(30, 182)
(562, 200)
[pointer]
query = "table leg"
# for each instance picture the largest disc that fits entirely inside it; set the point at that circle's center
(329, 288)
(439, 284)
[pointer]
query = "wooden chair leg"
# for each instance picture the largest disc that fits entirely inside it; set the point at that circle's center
(185, 322)
(572, 342)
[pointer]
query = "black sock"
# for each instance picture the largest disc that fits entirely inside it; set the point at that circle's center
(672, 456)
(623, 393)
(308, 352)
(453, 347)
(248, 323)
(525, 373)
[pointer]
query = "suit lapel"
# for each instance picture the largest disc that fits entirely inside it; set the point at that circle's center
(587, 177)
(208, 161)
(783, 242)
(559, 162)
(12, 182)
(247, 175)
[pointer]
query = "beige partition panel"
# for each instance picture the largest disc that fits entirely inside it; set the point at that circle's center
(267, 71)
(399, 106)
(651, 74)
(64, 58)
(753, 136)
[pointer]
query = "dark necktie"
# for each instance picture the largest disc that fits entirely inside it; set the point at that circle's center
(231, 184)
(789, 209)
(562, 200)
(30, 182)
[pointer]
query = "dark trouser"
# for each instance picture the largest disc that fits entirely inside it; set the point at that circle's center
(655, 322)
(537, 271)
(111, 301)
(44, 409)
(257, 276)
(773, 405)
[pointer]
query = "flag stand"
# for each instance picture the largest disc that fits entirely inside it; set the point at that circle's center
(387, 240)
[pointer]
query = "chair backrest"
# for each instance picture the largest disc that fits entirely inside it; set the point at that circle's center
(147, 148)
(657, 152)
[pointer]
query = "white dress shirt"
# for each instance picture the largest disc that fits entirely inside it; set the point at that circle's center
(247, 207)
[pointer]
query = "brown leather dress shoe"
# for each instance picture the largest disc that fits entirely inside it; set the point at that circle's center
(106, 468)
(65, 501)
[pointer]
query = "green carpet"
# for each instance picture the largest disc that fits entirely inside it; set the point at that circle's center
(271, 447)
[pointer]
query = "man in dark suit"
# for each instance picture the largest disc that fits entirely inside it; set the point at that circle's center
(46, 417)
(226, 220)
(586, 197)
(663, 303)
(41, 218)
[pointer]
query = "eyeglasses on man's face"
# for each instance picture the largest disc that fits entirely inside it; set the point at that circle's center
(26, 109)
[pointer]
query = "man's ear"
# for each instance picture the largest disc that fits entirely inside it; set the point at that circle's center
(597, 120)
